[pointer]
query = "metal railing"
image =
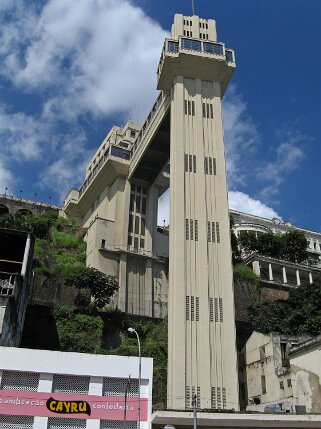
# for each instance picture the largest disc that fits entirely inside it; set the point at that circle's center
(147, 122)
(114, 151)
(7, 285)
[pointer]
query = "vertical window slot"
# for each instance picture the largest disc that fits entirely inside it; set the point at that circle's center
(186, 162)
(216, 309)
(214, 166)
(221, 309)
(191, 229)
(213, 232)
(211, 310)
(218, 234)
(197, 302)
(190, 163)
(209, 231)
(196, 230)
(210, 165)
(192, 308)
(206, 165)
(194, 163)
(186, 229)
(187, 308)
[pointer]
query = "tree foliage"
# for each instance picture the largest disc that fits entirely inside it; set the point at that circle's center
(102, 287)
(290, 246)
(39, 226)
(300, 313)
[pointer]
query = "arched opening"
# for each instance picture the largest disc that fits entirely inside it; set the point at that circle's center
(3, 210)
(23, 212)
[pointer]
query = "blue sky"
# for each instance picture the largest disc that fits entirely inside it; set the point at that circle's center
(69, 70)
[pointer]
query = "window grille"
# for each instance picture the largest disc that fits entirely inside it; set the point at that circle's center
(221, 309)
(194, 163)
(216, 309)
(16, 422)
(192, 308)
(214, 166)
(197, 302)
(213, 232)
(22, 381)
(192, 229)
(211, 312)
(190, 163)
(117, 424)
(187, 308)
(213, 398)
(208, 231)
(206, 165)
(188, 397)
(218, 235)
(61, 423)
(186, 162)
(117, 386)
(224, 397)
(196, 230)
(186, 229)
(70, 384)
(219, 404)
(210, 165)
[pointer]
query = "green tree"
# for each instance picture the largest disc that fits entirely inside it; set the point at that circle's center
(101, 286)
(300, 313)
(294, 246)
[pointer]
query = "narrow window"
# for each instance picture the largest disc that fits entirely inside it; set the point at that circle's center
(216, 309)
(130, 223)
(186, 229)
(213, 398)
(188, 397)
(135, 243)
(143, 205)
(192, 229)
(211, 310)
(211, 111)
(131, 205)
(213, 232)
(209, 231)
(219, 405)
(221, 309)
(186, 162)
(263, 384)
(142, 227)
(197, 308)
(130, 240)
(210, 165)
(185, 105)
(142, 243)
(214, 166)
(139, 189)
(207, 110)
(206, 36)
(189, 107)
(204, 111)
(192, 308)
(194, 163)
(137, 203)
(224, 397)
(103, 243)
(190, 163)
(198, 397)
(136, 225)
(187, 308)
(144, 190)
(193, 108)
(289, 382)
(190, 23)
(282, 385)
(206, 165)
(196, 230)
(218, 235)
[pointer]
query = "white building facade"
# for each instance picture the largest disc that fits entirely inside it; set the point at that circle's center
(55, 390)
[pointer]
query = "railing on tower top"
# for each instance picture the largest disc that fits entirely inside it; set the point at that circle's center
(184, 43)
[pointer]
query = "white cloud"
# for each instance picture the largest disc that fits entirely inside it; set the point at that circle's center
(6, 178)
(288, 156)
(23, 136)
(238, 201)
(244, 203)
(88, 54)
(240, 136)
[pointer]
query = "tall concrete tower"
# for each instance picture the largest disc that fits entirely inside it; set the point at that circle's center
(117, 205)
(195, 70)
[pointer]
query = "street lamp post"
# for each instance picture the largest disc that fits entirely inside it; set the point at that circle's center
(132, 331)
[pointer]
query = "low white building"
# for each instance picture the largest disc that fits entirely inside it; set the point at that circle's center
(56, 390)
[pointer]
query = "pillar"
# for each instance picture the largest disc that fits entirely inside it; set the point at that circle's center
(310, 278)
(298, 281)
(270, 272)
(256, 268)
(285, 280)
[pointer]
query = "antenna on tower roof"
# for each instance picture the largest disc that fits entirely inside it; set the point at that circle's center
(193, 8)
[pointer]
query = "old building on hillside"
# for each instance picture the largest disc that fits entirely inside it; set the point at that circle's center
(12, 205)
(16, 252)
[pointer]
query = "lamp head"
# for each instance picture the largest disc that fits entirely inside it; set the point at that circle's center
(131, 330)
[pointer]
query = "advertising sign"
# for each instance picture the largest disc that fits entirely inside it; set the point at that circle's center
(46, 404)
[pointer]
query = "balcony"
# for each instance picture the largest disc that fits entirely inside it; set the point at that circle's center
(196, 59)
(113, 163)
(7, 284)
